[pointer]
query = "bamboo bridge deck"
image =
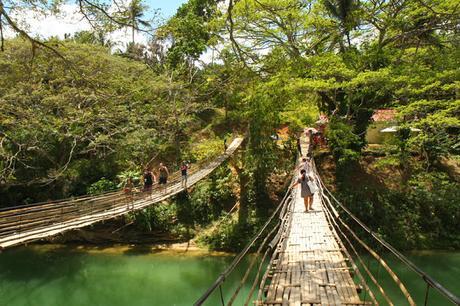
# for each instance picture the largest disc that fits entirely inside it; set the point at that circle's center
(310, 266)
(33, 222)
(316, 258)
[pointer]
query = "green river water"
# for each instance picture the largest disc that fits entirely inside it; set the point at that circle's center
(71, 276)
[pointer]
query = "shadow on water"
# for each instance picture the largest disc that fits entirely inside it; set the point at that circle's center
(140, 249)
(29, 270)
(24, 264)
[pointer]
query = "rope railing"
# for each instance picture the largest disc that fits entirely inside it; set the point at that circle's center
(341, 226)
(276, 225)
(35, 221)
(115, 191)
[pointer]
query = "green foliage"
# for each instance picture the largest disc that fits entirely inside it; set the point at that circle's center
(66, 124)
(421, 213)
(210, 198)
(101, 186)
(189, 31)
(231, 235)
(65, 127)
(344, 144)
(387, 162)
(206, 149)
(133, 175)
(440, 127)
(156, 218)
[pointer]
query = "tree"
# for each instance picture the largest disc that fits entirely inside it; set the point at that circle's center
(93, 37)
(61, 131)
(135, 12)
(101, 15)
(343, 11)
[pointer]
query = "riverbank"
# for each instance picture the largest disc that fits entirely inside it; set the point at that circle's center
(189, 248)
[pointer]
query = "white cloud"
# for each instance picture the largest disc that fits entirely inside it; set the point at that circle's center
(68, 21)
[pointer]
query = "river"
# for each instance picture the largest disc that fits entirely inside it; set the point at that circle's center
(79, 276)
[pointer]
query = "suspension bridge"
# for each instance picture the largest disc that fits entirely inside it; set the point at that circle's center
(23, 224)
(318, 257)
(297, 258)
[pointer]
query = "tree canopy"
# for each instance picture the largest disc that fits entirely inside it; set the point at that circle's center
(75, 111)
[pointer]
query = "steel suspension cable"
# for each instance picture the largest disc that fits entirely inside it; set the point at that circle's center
(271, 245)
(375, 255)
(248, 270)
(355, 268)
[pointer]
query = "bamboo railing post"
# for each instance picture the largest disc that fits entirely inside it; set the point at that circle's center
(221, 295)
(426, 293)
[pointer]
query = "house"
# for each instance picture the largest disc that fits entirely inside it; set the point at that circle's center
(381, 119)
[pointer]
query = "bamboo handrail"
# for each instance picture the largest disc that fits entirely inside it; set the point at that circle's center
(20, 222)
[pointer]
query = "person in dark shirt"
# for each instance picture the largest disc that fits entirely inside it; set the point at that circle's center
(148, 178)
(184, 173)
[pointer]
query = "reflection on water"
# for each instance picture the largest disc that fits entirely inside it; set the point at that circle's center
(442, 266)
(68, 276)
(54, 276)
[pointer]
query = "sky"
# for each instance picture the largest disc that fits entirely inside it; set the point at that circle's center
(168, 7)
(71, 21)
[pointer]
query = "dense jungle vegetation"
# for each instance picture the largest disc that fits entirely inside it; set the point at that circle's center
(78, 115)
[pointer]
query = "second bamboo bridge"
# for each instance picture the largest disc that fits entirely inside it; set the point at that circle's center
(23, 224)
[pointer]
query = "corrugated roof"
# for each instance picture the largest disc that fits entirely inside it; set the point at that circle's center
(384, 115)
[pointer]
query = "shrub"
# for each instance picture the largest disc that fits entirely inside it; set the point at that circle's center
(345, 145)
(101, 186)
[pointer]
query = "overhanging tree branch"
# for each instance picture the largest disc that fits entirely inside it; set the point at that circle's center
(35, 42)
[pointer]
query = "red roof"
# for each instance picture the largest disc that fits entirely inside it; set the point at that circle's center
(384, 115)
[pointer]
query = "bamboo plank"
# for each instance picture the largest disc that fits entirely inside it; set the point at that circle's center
(314, 268)
(23, 224)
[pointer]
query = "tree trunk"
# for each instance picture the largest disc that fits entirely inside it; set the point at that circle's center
(134, 24)
(172, 98)
(243, 181)
(348, 39)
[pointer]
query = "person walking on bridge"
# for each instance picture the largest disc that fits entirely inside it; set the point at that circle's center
(184, 173)
(307, 189)
(148, 178)
(128, 191)
(304, 164)
(163, 174)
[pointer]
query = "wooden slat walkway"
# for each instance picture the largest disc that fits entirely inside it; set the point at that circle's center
(33, 223)
(310, 267)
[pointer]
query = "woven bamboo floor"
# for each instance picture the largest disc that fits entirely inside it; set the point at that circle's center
(311, 267)
(22, 225)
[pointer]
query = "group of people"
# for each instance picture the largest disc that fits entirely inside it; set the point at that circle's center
(149, 177)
